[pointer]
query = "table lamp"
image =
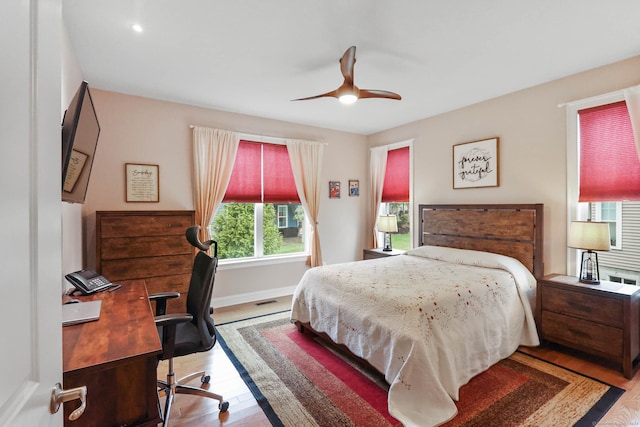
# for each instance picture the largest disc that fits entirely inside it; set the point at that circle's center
(387, 224)
(591, 236)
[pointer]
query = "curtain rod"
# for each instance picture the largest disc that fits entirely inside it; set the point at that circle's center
(273, 139)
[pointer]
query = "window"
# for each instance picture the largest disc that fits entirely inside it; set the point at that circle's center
(603, 182)
(261, 214)
(396, 194)
(283, 216)
(611, 212)
(622, 280)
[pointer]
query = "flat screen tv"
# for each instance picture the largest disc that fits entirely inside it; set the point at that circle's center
(80, 132)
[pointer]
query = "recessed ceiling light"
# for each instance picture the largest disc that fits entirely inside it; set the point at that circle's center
(137, 28)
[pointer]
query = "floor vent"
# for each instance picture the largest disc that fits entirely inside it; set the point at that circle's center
(266, 302)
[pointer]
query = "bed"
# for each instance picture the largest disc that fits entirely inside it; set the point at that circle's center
(432, 319)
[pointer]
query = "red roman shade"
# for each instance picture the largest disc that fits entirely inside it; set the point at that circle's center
(279, 185)
(396, 176)
(609, 165)
(261, 174)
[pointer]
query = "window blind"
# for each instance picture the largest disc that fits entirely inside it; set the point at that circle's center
(396, 177)
(261, 174)
(609, 165)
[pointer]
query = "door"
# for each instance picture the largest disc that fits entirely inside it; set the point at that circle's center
(30, 211)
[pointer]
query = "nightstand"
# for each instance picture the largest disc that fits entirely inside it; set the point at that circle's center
(379, 253)
(602, 320)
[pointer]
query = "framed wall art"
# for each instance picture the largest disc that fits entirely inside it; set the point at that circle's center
(476, 164)
(354, 187)
(142, 182)
(334, 189)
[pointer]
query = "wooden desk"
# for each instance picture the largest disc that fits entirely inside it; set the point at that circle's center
(115, 357)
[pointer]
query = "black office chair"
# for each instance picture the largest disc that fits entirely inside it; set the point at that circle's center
(190, 332)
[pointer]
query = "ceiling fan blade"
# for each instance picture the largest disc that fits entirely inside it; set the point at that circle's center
(347, 62)
(333, 93)
(373, 93)
(348, 88)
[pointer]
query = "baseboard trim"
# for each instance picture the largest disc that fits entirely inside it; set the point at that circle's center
(251, 297)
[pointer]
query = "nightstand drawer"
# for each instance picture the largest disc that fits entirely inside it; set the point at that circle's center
(379, 253)
(582, 334)
(600, 310)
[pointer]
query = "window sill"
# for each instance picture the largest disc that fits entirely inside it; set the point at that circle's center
(227, 264)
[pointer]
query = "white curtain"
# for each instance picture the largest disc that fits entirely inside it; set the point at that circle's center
(632, 98)
(306, 162)
(377, 169)
(214, 153)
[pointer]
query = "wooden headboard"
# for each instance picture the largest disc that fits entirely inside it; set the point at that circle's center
(514, 230)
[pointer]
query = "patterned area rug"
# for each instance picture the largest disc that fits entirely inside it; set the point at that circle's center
(298, 381)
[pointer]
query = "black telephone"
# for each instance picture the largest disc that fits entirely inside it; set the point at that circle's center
(88, 281)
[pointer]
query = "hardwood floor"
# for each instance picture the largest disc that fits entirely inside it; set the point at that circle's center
(244, 411)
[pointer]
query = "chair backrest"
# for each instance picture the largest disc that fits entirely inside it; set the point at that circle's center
(203, 276)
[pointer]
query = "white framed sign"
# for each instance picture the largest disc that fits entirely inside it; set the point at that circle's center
(142, 182)
(475, 164)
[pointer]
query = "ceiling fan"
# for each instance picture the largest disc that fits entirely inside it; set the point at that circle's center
(349, 93)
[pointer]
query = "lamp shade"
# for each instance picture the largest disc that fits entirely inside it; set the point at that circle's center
(388, 224)
(589, 235)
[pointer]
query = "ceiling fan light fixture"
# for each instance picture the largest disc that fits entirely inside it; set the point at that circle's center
(349, 93)
(348, 98)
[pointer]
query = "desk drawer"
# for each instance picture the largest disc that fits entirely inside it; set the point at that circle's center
(607, 311)
(583, 335)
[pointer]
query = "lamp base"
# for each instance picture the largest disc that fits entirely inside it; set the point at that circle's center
(589, 268)
(387, 242)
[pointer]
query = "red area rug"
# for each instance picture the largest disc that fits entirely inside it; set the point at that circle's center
(299, 381)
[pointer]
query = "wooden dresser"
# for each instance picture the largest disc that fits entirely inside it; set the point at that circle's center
(149, 245)
(603, 320)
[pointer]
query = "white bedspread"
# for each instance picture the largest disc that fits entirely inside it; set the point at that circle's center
(429, 320)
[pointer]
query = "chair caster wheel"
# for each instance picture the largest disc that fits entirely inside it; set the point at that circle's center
(223, 406)
(205, 379)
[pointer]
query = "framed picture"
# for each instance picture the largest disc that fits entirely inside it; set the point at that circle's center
(354, 187)
(334, 189)
(142, 182)
(476, 164)
(76, 165)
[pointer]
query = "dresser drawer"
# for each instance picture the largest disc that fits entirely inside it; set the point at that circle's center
(583, 335)
(607, 311)
(143, 247)
(130, 225)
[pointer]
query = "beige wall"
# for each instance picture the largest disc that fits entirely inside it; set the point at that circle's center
(529, 123)
(142, 130)
(532, 132)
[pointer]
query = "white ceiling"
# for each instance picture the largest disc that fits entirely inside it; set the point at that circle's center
(255, 56)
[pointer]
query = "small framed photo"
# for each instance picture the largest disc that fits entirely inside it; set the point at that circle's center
(476, 164)
(334, 189)
(142, 182)
(354, 188)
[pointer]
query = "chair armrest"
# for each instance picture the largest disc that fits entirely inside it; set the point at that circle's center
(160, 299)
(173, 319)
(167, 327)
(164, 295)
